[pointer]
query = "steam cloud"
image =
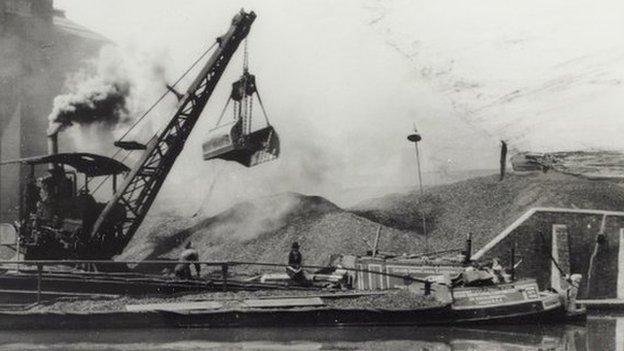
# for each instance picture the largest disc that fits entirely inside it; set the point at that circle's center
(104, 97)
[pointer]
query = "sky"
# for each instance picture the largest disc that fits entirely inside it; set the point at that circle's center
(344, 83)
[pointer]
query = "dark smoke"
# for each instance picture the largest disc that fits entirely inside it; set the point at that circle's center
(98, 101)
(106, 93)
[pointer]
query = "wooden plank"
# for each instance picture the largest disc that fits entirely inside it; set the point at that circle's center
(291, 302)
(339, 295)
(177, 306)
(59, 293)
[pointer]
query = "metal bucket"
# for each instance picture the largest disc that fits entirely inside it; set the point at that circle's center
(229, 143)
(221, 141)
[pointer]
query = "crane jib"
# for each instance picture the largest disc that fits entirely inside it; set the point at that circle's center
(141, 186)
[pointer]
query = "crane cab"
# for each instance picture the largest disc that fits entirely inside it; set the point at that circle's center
(56, 214)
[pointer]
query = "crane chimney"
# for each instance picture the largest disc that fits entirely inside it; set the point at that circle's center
(53, 149)
(53, 144)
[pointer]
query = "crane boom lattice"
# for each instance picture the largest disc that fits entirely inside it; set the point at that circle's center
(141, 186)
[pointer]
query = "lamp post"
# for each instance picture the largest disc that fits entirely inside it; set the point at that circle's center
(415, 138)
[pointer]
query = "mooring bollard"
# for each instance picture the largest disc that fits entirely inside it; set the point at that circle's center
(224, 272)
(39, 282)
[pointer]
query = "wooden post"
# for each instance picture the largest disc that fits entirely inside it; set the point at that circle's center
(620, 274)
(38, 282)
(17, 250)
(513, 261)
(376, 244)
(468, 250)
(224, 272)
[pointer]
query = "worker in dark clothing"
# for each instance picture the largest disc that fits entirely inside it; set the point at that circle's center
(294, 270)
(294, 258)
(183, 270)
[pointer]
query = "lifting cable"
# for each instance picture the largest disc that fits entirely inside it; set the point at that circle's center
(222, 113)
(245, 69)
(246, 101)
(208, 192)
(245, 56)
(266, 117)
(158, 101)
(168, 90)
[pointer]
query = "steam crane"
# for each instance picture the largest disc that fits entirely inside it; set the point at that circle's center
(70, 224)
(141, 186)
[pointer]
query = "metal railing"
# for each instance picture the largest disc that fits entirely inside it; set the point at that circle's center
(224, 265)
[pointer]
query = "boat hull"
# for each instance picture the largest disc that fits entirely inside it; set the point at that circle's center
(444, 315)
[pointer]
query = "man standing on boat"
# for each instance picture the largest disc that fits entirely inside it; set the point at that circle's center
(183, 270)
(294, 270)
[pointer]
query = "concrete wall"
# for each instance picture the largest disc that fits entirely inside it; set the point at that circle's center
(38, 49)
(532, 235)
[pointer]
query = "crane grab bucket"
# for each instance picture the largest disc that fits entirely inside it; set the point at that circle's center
(231, 144)
(240, 141)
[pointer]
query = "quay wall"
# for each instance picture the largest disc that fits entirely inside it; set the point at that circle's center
(574, 245)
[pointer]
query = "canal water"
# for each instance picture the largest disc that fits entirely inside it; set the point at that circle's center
(600, 333)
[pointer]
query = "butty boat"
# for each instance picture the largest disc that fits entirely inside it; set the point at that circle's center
(380, 289)
(386, 294)
(508, 303)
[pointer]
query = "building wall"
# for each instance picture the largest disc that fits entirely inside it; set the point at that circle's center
(38, 50)
(533, 241)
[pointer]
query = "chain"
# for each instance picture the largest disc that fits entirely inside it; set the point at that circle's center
(246, 57)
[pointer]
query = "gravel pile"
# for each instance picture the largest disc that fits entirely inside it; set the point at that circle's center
(263, 230)
(484, 206)
(232, 300)
(395, 300)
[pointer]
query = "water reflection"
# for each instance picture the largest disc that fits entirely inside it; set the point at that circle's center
(601, 333)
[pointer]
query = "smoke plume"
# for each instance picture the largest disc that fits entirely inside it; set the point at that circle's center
(106, 95)
(97, 101)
